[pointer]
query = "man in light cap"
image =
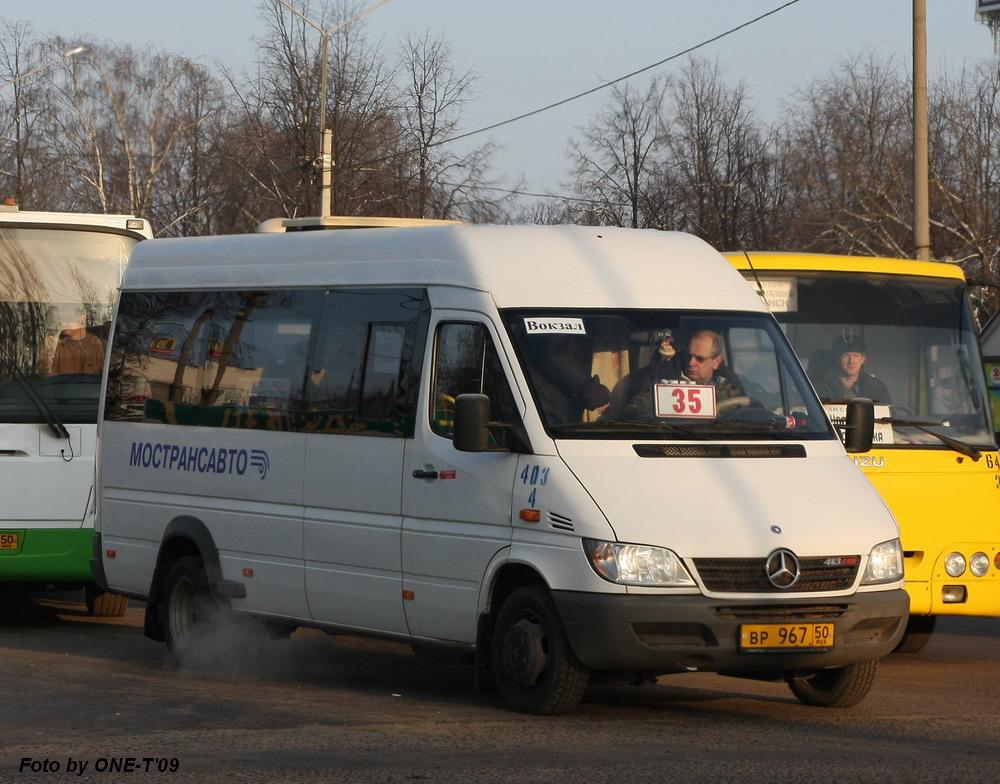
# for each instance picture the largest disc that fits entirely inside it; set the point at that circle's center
(848, 379)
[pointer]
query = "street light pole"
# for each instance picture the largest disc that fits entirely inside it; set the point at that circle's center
(921, 207)
(325, 134)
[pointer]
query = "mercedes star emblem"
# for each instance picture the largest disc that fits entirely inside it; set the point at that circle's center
(782, 568)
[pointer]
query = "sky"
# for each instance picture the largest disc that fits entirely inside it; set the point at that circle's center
(529, 53)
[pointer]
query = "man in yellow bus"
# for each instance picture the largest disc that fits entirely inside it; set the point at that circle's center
(848, 378)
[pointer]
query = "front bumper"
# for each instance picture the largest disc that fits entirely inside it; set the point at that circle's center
(663, 634)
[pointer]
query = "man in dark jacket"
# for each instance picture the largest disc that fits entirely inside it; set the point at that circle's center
(849, 379)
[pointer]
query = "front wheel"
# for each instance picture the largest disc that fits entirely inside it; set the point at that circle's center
(841, 687)
(190, 612)
(534, 667)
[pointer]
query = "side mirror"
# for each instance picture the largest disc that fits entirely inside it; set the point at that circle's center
(472, 414)
(860, 425)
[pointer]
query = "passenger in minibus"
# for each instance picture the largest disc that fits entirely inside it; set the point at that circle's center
(566, 387)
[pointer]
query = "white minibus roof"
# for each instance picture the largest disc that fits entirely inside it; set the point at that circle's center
(520, 266)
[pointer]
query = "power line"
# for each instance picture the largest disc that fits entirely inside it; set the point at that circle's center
(592, 90)
(600, 87)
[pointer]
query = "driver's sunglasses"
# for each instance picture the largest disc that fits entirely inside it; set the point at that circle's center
(702, 360)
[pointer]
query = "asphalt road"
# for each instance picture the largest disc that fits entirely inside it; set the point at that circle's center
(76, 690)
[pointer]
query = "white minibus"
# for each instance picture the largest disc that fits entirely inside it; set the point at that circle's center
(523, 442)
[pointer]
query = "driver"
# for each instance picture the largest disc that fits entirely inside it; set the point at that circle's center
(706, 365)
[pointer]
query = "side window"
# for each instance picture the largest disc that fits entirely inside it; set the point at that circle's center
(255, 368)
(365, 370)
(305, 360)
(158, 356)
(465, 360)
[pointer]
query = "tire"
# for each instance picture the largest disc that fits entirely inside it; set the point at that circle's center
(104, 604)
(918, 633)
(841, 687)
(534, 667)
(190, 613)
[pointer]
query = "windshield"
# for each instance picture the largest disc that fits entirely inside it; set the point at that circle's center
(906, 342)
(57, 290)
(686, 375)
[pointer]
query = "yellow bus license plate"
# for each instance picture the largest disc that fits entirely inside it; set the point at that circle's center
(782, 636)
(9, 542)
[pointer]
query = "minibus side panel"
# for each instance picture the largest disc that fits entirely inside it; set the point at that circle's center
(352, 531)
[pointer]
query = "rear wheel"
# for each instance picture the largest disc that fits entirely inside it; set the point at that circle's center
(841, 687)
(103, 604)
(534, 667)
(190, 612)
(918, 633)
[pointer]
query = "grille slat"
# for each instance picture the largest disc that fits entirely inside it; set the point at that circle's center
(747, 575)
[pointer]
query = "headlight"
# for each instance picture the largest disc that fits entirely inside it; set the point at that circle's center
(954, 565)
(885, 563)
(979, 564)
(636, 564)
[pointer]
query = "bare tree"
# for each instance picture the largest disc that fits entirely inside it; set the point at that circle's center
(726, 180)
(25, 164)
(849, 156)
(445, 184)
(117, 122)
(965, 174)
(615, 164)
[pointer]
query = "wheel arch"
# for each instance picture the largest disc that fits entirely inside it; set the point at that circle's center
(184, 536)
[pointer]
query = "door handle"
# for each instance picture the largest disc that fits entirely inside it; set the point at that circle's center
(419, 474)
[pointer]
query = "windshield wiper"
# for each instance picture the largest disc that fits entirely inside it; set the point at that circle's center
(922, 424)
(58, 428)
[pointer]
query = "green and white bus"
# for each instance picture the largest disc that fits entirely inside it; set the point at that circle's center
(59, 274)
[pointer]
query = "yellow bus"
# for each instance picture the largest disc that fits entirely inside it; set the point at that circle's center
(901, 332)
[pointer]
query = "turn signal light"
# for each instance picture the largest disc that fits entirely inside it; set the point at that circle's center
(530, 515)
(247, 572)
(111, 553)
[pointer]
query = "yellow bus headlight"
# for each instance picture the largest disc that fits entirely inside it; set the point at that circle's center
(979, 564)
(954, 565)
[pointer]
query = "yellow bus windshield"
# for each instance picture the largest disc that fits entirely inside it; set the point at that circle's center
(908, 342)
